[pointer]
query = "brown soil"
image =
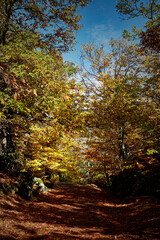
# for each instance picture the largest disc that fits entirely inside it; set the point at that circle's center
(73, 211)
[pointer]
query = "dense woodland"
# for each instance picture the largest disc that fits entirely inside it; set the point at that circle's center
(96, 123)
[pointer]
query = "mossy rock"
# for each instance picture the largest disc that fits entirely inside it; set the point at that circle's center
(39, 185)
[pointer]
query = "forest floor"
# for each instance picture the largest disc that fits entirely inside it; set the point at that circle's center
(72, 211)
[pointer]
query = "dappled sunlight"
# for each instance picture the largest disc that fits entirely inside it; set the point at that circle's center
(79, 139)
(79, 212)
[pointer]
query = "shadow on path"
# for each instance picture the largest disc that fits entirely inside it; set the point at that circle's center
(73, 211)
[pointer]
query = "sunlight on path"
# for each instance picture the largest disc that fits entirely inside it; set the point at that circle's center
(78, 212)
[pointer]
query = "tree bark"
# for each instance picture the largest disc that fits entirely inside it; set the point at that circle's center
(123, 147)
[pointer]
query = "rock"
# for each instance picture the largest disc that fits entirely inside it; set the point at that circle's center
(38, 184)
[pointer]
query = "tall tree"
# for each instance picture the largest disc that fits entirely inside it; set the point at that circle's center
(150, 39)
(135, 8)
(122, 114)
(55, 22)
(41, 104)
(150, 36)
(34, 79)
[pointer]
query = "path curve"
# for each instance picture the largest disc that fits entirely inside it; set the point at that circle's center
(73, 211)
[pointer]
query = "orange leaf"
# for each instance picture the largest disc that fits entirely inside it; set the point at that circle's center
(22, 81)
(15, 95)
(35, 92)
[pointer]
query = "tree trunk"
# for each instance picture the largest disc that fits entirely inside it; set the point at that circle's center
(3, 37)
(123, 147)
(7, 148)
(6, 134)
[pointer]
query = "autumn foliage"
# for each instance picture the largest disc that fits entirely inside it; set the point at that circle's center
(63, 123)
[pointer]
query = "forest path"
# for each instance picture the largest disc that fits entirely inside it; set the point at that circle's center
(73, 211)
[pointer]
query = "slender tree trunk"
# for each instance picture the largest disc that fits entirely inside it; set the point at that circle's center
(7, 148)
(106, 174)
(6, 135)
(3, 36)
(122, 146)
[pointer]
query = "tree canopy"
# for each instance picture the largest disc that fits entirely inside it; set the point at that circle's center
(41, 103)
(124, 101)
(53, 23)
(62, 122)
(135, 8)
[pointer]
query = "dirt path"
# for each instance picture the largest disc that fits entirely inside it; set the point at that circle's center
(79, 212)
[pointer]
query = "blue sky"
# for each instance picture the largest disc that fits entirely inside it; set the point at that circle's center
(101, 23)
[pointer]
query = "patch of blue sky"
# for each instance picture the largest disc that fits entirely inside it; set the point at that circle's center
(101, 23)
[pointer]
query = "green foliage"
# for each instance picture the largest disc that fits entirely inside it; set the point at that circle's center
(42, 104)
(151, 151)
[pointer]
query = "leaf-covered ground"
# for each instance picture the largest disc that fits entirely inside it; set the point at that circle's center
(74, 211)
